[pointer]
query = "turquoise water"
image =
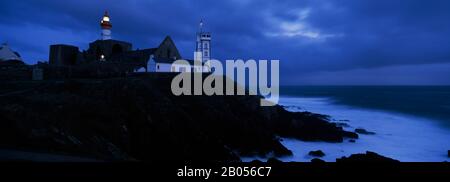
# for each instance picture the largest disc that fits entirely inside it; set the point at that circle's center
(411, 123)
(423, 101)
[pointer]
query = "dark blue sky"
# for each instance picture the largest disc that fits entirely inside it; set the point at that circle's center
(317, 41)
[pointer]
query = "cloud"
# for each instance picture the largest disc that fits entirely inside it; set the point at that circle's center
(310, 36)
(299, 27)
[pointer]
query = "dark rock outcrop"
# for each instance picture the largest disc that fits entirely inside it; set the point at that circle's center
(308, 127)
(344, 125)
(273, 160)
(256, 162)
(317, 153)
(316, 160)
(367, 157)
(364, 131)
(138, 118)
(448, 153)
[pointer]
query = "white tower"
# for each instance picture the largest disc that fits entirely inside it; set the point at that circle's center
(203, 44)
(106, 27)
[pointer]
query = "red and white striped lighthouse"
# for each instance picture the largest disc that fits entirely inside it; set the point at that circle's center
(106, 27)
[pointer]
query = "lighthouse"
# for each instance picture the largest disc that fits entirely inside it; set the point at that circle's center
(203, 47)
(106, 27)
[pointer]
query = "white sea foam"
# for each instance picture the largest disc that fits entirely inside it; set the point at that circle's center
(402, 137)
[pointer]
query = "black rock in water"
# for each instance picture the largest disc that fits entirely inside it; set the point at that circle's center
(364, 131)
(352, 141)
(448, 153)
(345, 125)
(367, 157)
(317, 153)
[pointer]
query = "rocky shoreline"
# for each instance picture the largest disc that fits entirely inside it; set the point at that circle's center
(137, 118)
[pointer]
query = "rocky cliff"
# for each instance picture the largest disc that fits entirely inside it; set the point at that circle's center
(138, 118)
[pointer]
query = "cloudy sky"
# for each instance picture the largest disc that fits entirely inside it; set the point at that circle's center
(318, 42)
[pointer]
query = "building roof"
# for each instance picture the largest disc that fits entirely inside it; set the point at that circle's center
(147, 52)
(164, 60)
(167, 49)
(111, 41)
(170, 61)
(7, 54)
(64, 45)
(12, 63)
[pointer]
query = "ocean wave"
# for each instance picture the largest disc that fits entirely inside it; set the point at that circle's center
(399, 136)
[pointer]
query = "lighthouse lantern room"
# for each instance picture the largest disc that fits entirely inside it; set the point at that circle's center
(106, 27)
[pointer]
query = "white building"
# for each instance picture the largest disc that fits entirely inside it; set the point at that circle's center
(168, 65)
(6, 54)
(158, 62)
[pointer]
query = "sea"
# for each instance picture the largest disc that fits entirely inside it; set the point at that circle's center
(411, 123)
